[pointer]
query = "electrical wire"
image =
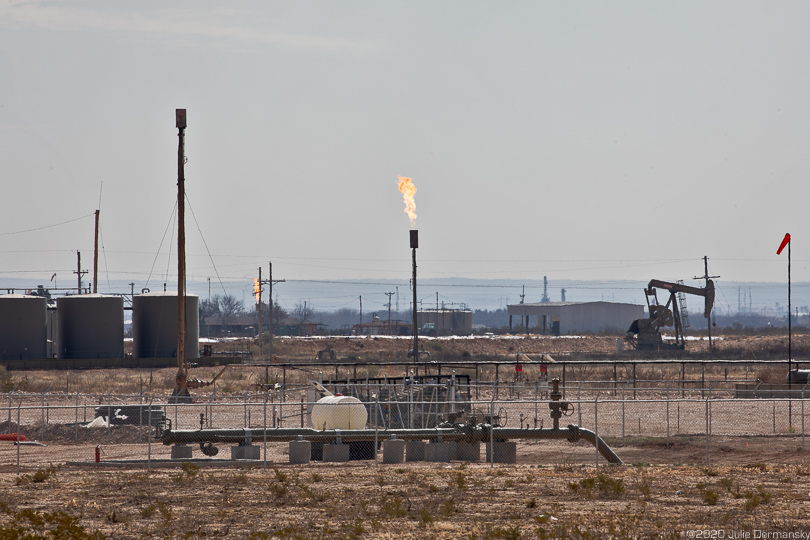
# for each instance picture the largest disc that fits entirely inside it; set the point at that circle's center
(171, 220)
(47, 226)
(205, 244)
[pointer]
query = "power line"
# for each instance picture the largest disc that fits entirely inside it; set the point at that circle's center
(49, 226)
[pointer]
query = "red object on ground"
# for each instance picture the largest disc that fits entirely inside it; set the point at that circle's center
(785, 241)
(11, 437)
(98, 453)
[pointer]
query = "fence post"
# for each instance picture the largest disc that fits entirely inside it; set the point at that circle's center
(667, 416)
(148, 439)
(596, 428)
(623, 388)
(492, 432)
(18, 437)
(376, 408)
(708, 429)
(76, 433)
(802, 418)
(634, 380)
(264, 425)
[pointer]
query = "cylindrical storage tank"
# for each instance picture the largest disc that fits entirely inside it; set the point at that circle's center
(339, 412)
(90, 326)
(154, 325)
(23, 327)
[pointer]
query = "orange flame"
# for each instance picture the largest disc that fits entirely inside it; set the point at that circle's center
(408, 190)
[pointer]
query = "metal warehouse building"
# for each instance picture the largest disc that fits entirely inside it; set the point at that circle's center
(575, 317)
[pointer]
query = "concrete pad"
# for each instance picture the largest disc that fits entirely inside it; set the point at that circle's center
(393, 451)
(300, 452)
(336, 453)
(415, 451)
(181, 451)
(246, 452)
(468, 451)
(437, 452)
(505, 452)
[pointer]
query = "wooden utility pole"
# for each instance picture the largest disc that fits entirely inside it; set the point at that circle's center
(259, 309)
(270, 305)
(79, 272)
(181, 380)
(708, 311)
(389, 294)
(95, 258)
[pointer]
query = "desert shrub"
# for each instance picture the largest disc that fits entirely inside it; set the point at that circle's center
(28, 523)
(606, 486)
(38, 477)
(710, 497)
(394, 506)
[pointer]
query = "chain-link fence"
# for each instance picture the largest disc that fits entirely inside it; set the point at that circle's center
(405, 420)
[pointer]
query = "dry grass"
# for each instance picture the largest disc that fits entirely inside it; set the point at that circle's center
(240, 379)
(408, 502)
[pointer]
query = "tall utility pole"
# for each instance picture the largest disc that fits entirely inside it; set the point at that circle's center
(181, 380)
(79, 272)
(95, 258)
(708, 313)
(389, 294)
(270, 305)
(259, 309)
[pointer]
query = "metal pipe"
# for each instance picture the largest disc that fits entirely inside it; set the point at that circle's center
(465, 433)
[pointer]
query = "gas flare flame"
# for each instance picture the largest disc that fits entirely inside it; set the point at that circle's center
(408, 190)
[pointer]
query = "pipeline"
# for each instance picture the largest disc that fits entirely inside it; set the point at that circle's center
(455, 432)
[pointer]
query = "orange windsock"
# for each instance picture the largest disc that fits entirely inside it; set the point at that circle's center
(408, 190)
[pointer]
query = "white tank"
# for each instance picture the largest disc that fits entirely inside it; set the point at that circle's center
(339, 412)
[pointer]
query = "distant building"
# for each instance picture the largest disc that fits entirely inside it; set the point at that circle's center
(445, 322)
(290, 326)
(380, 327)
(248, 326)
(235, 326)
(574, 317)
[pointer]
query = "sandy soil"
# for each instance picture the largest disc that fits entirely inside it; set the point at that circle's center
(410, 501)
(756, 482)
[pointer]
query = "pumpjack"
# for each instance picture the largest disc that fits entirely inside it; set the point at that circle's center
(645, 334)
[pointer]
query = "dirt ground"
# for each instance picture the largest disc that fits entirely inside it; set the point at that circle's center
(754, 486)
(744, 347)
(409, 501)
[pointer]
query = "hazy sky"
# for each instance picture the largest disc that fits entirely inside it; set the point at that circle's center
(578, 140)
